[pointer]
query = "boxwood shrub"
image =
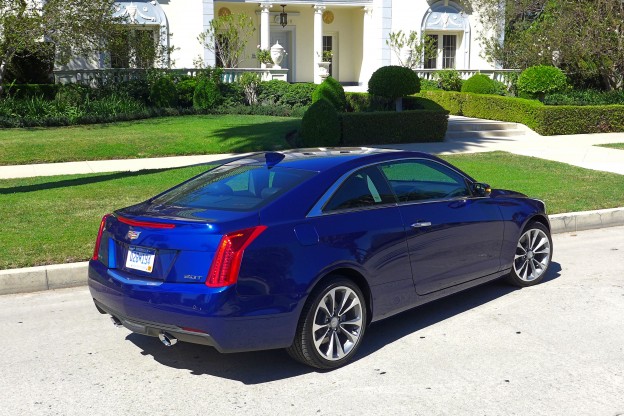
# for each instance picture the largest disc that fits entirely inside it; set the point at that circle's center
(332, 91)
(482, 84)
(320, 126)
(390, 127)
(545, 120)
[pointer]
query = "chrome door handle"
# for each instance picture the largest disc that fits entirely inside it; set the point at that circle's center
(421, 224)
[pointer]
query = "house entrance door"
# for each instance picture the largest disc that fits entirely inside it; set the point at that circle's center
(285, 38)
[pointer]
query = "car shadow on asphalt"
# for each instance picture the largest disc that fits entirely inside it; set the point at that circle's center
(266, 366)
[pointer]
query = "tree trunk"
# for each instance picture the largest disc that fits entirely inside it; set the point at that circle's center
(2, 66)
(398, 104)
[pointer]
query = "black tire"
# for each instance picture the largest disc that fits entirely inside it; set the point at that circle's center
(337, 335)
(532, 257)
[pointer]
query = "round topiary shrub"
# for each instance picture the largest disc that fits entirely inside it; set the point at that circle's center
(331, 90)
(394, 82)
(537, 81)
(163, 93)
(480, 84)
(207, 95)
(320, 126)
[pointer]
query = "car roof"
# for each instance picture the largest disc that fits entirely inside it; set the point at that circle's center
(321, 159)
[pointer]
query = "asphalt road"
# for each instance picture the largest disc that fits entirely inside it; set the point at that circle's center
(553, 349)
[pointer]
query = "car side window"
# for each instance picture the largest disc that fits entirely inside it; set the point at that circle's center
(423, 180)
(364, 188)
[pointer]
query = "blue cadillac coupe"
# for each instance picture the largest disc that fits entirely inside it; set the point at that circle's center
(304, 249)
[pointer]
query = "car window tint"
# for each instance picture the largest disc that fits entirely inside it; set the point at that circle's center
(423, 180)
(234, 187)
(363, 188)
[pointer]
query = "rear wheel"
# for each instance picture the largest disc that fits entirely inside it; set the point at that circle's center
(533, 255)
(331, 326)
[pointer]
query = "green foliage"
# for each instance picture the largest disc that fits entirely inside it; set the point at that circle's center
(227, 37)
(272, 91)
(448, 79)
(186, 89)
(585, 97)
(364, 102)
(410, 48)
(541, 79)
(250, 82)
(546, 120)
(320, 126)
(299, 94)
(72, 94)
(276, 110)
(332, 91)
(47, 91)
(429, 85)
(393, 82)
(482, 84)
(232, 94)
(163, 93)
(207, 95)
(390, 127)
(277, 92)
(264, 56)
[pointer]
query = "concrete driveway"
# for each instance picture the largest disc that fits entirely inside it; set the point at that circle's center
(554, 349)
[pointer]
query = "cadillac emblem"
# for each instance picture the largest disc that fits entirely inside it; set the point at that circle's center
(133, 235)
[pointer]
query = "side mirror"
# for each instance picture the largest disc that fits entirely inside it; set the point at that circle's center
(481, 189)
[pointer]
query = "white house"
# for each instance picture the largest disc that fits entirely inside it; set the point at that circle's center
(355, 31)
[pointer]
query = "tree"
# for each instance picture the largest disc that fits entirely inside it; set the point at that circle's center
(227, 37)
(410, 49)
(67, 28)
(585, 38)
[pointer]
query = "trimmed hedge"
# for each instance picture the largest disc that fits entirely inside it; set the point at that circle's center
(545, 120)
(332, 91)
(361, 102)
(393, 82)
(390, 127)
(320, 125)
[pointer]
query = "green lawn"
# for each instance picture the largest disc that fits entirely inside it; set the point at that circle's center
(167, 136)
(55, 219)
(619, 146)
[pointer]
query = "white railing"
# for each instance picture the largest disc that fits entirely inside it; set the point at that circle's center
(96, 77)
(502, 75)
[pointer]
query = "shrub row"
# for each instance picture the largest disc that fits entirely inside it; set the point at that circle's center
(390, 127)
(545, 120)
(363, 102)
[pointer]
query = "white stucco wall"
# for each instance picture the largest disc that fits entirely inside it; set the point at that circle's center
(185, 24)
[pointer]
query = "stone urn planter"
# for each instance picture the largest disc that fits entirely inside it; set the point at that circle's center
(324, 69)
(277, 54)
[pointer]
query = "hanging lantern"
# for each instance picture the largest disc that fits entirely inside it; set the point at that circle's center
(283, 16)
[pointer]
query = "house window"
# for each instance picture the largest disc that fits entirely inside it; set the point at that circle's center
(133, 48)
(449, 48)
(431, 61)
(328, 48)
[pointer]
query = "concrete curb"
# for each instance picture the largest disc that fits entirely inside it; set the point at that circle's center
(35, 279)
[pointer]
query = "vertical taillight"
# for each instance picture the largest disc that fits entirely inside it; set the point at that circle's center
(96, 250)
(227, 260)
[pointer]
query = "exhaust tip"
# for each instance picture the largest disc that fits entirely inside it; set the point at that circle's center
(116, 322)
(167, 339)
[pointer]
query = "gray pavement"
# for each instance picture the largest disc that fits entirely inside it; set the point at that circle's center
(553, 349)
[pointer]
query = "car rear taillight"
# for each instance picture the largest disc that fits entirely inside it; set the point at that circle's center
(227, 260)
(145, 224)
(98, 240)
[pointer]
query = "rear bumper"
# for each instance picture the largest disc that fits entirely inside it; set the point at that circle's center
(194, 312)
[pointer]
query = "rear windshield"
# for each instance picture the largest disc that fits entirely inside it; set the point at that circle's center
(234, 187)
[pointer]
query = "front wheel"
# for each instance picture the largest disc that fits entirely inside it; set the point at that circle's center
(332, 325)
(533, 255)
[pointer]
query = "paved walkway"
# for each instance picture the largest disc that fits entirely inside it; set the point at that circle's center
(579, 150)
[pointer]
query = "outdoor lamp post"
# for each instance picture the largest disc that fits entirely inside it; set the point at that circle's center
(283, 16)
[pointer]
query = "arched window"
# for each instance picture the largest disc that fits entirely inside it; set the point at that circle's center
(446, 25)
(143, 40)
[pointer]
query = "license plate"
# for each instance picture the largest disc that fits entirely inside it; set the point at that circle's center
(140, 259)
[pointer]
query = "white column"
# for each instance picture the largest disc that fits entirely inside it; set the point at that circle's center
(208, 5)
(368, 50)
(265, 25)
(318, 40)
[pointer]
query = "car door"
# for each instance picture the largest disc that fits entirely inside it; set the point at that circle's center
(360, 227)
(452, 236)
